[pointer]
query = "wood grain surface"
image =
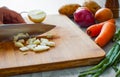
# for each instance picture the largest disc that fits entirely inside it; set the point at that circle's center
(73, 48)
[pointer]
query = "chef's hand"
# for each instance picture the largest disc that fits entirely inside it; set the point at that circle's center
(8, 16)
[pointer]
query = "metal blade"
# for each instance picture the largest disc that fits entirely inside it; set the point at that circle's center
(9, 30)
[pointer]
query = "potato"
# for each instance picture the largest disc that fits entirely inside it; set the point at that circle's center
(91, 5)
(68, 9)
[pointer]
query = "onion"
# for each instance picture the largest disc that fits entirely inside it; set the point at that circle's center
(84, 17)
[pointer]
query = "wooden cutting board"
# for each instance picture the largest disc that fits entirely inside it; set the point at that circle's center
(73, 48)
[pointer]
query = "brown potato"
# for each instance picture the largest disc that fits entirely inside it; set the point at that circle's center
(91, 5)
(68, 9)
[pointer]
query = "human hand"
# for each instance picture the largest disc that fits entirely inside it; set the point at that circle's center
(8, 16)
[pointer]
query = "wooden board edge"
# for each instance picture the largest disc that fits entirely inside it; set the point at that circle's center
(48, 67)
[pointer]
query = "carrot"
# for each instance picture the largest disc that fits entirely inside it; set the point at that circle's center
(106, 34)
(95, 29)
(111, 20)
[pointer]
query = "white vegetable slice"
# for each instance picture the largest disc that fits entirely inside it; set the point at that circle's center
(24, 48)
(30, 41)
(36, 16)
(51, 44)
(44, 41)
(21, 40)
(37, 41)
(49, 36)
(31, 46)
(41, 48)
(18, 44)
(20, 35)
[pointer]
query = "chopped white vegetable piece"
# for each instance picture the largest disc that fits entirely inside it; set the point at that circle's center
(25, 53)
(49, 36)
(51, 44)
(43, 44)
(37, 41)
(15, 38)
(41, 48)
(44, 41)
(27, 34)
(24, 48)
(21, 35)
(30, 40)
(18, 44)
(21, 40)
(31, 46)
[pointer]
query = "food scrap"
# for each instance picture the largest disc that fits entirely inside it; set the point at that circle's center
(33, 43)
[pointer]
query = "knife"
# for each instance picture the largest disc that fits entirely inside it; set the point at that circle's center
(7, 31)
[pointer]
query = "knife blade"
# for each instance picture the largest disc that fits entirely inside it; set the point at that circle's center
(9, 30)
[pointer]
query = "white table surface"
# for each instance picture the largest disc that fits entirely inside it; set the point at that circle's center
(51, 7)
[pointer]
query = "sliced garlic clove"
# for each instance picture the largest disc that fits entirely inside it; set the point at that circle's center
(49, 36)
(24, 48)
(31, 46)
(44, 41)
(41, 48)
(37, 41)
(30, 40)
(21, 40)
(20, 35)
(18, 44)
(51, 44)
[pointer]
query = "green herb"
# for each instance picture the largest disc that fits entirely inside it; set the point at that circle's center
(111, 59)
(117, 35)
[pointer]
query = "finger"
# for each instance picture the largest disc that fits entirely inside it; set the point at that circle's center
(7, 18)
(4, 7)
(5, 15)
(16, 16)
(20, 19)
(11, 16)
(14, 21)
